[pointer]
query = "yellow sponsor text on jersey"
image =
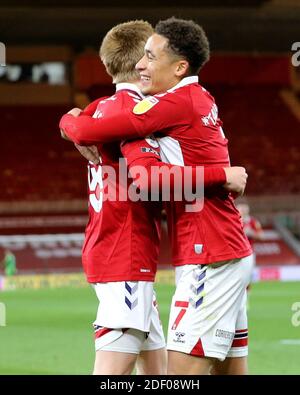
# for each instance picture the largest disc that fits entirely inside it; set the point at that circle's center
(145, 105)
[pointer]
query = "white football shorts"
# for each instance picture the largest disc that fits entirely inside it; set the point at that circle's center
(208, 316)
(127, 318)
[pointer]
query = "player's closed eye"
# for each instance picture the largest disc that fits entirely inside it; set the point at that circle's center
(149, 55)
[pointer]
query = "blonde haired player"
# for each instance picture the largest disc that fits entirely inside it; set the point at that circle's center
(121, 246)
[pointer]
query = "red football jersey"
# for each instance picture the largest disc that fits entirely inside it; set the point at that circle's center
(122, 237)
(188, 118)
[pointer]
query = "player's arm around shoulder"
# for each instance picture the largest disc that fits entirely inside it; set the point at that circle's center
(162, 112)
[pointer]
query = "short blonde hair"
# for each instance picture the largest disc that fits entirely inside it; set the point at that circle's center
(123, 47)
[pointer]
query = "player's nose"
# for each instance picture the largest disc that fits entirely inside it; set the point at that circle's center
(141, 64)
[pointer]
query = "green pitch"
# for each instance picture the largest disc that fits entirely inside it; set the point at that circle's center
(49, 331)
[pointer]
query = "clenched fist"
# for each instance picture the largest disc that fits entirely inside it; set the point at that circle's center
(236, 179)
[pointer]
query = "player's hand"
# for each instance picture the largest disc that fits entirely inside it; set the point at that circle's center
(75, 112)
(236, 179)
(63, 135)
(90, 153)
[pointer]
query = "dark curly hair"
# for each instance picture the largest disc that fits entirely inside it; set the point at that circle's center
(185, 39)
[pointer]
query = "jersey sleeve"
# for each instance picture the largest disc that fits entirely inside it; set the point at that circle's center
(85, 130)
(143, 155)
(153, 114)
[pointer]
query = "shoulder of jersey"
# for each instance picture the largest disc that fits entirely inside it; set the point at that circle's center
(132, 95)
(128, 98)
(207, 93)
(108, 99)
(105, 104)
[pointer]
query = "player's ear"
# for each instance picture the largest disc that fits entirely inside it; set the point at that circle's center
(181, 67)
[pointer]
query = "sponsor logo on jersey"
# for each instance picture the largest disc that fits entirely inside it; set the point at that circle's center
(149, 150)
(145, 105)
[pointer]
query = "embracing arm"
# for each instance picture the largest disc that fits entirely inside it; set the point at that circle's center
(210, 177)
(141, 157)
(128, 123)
(85, 130)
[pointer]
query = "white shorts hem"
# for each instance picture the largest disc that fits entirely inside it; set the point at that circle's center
(154, 347)
(208, 354)
(237, 354)
(115, 349)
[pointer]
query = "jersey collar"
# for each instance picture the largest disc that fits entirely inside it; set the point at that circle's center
(126, 86)
(132, 87)
(185, 81)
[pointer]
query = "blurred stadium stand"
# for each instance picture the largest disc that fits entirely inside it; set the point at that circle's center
(36, 164)
(261, 126)
(257, 90)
